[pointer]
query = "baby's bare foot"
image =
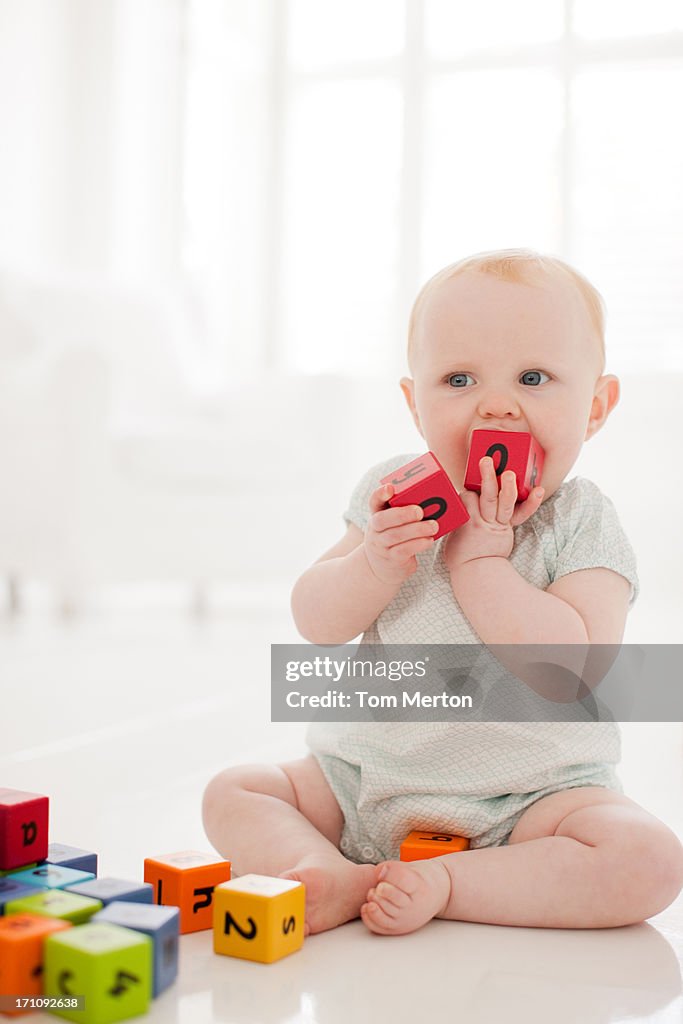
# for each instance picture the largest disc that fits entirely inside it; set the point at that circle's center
(335, 889)
(406, 896)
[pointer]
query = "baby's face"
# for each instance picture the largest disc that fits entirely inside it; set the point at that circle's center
(498, 355)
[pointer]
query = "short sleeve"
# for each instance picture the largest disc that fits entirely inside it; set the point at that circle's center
(358, 511)
(591, 536)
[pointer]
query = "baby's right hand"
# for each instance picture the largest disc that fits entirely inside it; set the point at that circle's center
(394, 536)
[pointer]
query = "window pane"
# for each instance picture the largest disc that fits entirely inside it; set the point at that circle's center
(628, 207)
(598, 19)
(491, 164)
(454, 29)
(226, 149)
(322, 33)
(341, 225)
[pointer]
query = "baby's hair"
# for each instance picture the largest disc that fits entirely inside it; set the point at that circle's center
(523, 266)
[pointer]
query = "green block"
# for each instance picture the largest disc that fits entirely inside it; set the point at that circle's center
(109, 965)
(68, 906)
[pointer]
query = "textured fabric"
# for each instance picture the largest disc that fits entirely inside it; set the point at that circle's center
(471, 778)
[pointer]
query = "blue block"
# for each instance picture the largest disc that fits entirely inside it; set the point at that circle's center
(51, 876)
(71, 857)
(109, 889)
(10, 889)
(162, 924)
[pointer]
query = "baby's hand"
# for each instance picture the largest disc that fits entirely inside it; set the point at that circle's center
(394, 536)
(493, 513)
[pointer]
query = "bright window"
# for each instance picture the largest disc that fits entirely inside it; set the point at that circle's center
(335, 155)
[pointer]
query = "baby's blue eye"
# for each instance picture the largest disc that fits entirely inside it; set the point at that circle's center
(459, 380)
(534, 377)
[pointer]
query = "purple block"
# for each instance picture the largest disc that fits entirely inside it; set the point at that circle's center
(108, 889)
(162, 924)
(10, 889)
(71, 857)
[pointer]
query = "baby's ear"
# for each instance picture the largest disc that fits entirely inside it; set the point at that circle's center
(605, 397)
(408, 389)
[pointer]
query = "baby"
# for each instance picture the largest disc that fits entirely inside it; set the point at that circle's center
(509, 340)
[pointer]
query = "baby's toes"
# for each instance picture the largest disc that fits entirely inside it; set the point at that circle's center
(376, 918)
(389, 896)
(401, 876)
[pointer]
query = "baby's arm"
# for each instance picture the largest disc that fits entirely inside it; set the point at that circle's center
(343, 593)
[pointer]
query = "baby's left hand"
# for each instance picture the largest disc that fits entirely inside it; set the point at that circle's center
(493, 514)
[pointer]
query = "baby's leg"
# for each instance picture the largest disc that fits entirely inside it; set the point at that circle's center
(285, 820)
(582, 858)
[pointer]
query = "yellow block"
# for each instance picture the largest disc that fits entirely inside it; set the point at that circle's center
(423, 845)
(258, 918)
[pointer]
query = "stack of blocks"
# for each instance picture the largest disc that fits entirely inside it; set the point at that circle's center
(65, 933)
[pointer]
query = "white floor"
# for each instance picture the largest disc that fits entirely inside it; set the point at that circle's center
(122, 715)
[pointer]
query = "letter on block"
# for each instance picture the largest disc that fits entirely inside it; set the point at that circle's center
(423, 845)
(425, 482)
(509, 449)
(66, 906)
(22, 937)
(187, 880)
(162, 924)
(23, 828)
(110, 966)
(259, 918)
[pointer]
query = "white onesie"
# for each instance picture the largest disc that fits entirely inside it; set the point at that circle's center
(473, 779)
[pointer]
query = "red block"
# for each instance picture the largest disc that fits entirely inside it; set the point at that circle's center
(509, 449)
(23, 828)
(424, 482)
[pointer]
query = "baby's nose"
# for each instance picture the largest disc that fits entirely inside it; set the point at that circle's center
(498, 403)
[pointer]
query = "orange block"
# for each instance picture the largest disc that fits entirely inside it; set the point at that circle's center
(187, 880)
(22, 939)
(423, 845)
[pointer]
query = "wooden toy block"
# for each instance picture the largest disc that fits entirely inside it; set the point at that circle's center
(108, 889)
(12, 890)
(259, 918)
(424, 482)
(509, 449)
(66, 906)
(22, 938)
(423, 845)
(187, 880)
(50, 876)
(109, 965)
(162, 924)
(71, 857)
(23, 828)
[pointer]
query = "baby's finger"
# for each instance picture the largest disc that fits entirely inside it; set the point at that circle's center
(402, 552)
(388, 539)
(380, 497)
(488, 497)
(507, 498)
(526, 509)
(388, 518)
